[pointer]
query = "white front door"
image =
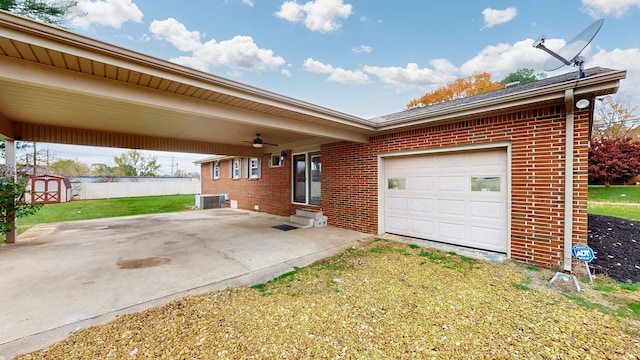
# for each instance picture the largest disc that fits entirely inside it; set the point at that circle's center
(458, 198)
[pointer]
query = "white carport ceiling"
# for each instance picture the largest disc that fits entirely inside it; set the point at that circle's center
(54, 82)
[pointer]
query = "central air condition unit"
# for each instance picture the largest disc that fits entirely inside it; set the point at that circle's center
(210, 201)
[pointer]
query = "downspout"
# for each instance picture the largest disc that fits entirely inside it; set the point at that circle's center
(568, 180)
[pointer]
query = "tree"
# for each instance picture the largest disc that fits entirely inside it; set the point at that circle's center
(133, 163)
(47, 11)
(616, 118)
(12, 202)
(457, 89)
(69, 168)
(523, 76)
(614, 159)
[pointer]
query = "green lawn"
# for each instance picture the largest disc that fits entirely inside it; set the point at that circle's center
(619, 201)
(616, 193)
(105, 208)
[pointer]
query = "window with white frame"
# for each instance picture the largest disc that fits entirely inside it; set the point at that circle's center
(237, 168)
(215, 170)
(254, 168)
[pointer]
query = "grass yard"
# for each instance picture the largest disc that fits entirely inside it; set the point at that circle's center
(106, 208)
(618, 201)
(615, 194)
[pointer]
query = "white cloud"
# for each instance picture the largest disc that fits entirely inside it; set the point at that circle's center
(317, 15)
(413, 77)
(494, 17)
(112, 13)
(174, 32)
(502, 59)
(336, 74)
(240, 52)
(617, 8)
(285, 72)
(248, 2)
(620, 59)
(362, 49)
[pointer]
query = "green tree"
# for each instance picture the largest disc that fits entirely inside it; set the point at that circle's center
(12, 202)
(134, 163)
(523, 76)
(48, 11)
(69, 168)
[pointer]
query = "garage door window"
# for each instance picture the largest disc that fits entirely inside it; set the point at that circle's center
(396, 183)
(485, 183)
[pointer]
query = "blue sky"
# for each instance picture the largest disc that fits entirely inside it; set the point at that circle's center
(363, 57)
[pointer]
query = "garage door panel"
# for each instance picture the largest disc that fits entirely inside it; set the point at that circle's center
(397, 203)
(451, 207)
(453, 232)
(459, 198)
(487, 210)
(397, 224)
(451, 183)
(420, 183)
(421, 206)
(486, 238)
(422, 228)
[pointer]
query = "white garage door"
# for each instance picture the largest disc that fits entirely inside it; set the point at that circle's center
(457, 198)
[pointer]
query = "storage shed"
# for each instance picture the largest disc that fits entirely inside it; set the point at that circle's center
(47, 189)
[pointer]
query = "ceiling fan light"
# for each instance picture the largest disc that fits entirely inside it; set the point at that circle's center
(257, 145)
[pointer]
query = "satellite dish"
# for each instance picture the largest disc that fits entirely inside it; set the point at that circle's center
(570, 53)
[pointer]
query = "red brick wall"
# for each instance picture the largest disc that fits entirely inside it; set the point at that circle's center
(350, 179)
(271, 192)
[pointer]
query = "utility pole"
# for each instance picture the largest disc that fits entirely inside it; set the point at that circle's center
(35, 162)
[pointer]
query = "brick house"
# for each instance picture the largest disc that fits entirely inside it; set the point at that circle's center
(487, 172)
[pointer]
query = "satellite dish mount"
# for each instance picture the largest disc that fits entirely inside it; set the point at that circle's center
(570, 53)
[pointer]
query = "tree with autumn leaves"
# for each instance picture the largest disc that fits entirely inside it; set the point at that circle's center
(614, 154)
(473, 85)
(457, 89)
(614, 159)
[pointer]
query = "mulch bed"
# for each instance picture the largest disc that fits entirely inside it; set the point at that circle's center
(616, 244)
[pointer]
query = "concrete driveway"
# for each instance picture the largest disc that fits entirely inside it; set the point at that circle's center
(64, 277)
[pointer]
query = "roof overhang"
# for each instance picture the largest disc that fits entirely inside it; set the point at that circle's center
(56, 86)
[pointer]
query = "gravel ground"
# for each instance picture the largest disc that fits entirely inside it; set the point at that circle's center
(616, 245)
(384, 300)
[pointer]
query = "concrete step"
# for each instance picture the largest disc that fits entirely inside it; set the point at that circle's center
(301, 221)
(311, 214)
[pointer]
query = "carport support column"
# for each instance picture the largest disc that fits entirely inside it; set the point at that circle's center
(10, 156)
(568, 180)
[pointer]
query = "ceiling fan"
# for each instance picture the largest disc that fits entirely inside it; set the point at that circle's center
(258, 142)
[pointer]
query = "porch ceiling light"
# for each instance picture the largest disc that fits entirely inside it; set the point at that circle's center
(582, 104)
(257, 145)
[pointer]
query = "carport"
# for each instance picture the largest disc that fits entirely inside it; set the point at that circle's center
(60, 87)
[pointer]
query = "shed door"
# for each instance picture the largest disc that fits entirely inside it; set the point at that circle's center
(457, 198)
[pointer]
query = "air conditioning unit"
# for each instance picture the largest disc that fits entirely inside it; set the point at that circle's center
(210, 201)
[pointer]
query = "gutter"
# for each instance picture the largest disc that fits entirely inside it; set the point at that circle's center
(568, 179)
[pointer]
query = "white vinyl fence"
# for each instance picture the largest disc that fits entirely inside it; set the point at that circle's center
(107, 190)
